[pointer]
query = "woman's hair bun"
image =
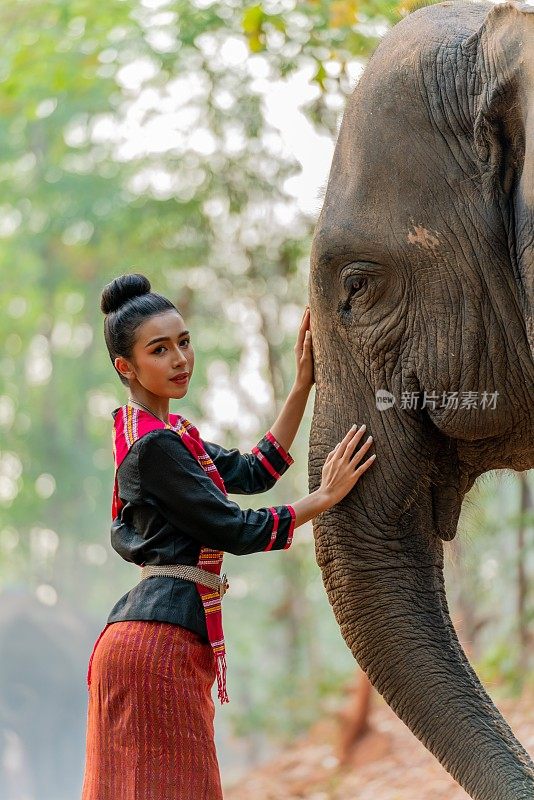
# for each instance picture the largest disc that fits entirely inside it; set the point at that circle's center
(121, 289)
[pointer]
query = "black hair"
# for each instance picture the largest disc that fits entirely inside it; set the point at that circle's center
(127, 302)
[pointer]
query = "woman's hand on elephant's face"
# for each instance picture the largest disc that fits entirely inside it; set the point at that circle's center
(304, 378)
(340, 470)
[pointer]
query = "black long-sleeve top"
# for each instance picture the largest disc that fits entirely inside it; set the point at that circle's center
(172, 508)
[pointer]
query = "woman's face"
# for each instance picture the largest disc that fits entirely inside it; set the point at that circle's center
(155, 363)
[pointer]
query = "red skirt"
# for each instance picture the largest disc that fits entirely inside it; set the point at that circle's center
(150, 716)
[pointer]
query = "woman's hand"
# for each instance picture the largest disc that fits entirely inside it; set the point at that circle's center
(286, 425)
(304, 378)
(340, 470)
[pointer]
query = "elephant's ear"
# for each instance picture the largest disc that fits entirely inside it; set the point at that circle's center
(501, 59)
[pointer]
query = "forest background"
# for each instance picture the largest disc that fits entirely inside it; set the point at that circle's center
(152, 136)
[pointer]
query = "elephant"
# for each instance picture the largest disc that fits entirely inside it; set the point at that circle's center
(421, 292)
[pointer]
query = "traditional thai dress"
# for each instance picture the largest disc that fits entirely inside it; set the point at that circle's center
(150, 733)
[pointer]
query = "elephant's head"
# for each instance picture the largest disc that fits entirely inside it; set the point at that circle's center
(422, 285)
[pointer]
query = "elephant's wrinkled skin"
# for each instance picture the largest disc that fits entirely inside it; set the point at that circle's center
(422, 280)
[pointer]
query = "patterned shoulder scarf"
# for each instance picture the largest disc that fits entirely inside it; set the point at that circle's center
(129, 425)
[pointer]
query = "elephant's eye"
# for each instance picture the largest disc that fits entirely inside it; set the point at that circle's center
(355, 286)
(358, 283)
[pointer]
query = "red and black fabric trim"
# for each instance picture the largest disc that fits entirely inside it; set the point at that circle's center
(272, 455)
(283, 527)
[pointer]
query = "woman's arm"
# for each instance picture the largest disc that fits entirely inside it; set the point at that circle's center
(250, 473)
(258, 471)
(285, 428)
(286, 425)
(172, 480)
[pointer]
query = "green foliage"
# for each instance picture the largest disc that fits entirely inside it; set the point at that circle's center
(499, 670)
(256, 25)
(482, 578)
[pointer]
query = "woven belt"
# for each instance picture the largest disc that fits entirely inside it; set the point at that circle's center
(188, 573)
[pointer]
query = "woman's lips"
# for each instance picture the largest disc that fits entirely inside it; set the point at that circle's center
(180, 380)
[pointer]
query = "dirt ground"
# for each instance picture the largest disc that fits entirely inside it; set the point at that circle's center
(389, 763)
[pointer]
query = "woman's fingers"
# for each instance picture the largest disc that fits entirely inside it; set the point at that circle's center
(363, 467)
(358, 454)
(347, 449)
(351, 438)
(304, 322)
(304, 326)
(332, 453)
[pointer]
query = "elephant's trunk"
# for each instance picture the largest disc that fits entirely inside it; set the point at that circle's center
(385, 584)
(395, 620)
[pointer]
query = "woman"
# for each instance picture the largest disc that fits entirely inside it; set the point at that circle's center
(150, 716)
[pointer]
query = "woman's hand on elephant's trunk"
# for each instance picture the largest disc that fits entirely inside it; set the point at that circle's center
(340, 471)
(304, 378)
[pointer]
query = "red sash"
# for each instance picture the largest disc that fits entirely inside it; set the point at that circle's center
(129, 425)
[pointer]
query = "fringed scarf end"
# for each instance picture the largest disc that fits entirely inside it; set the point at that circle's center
(221, 678)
